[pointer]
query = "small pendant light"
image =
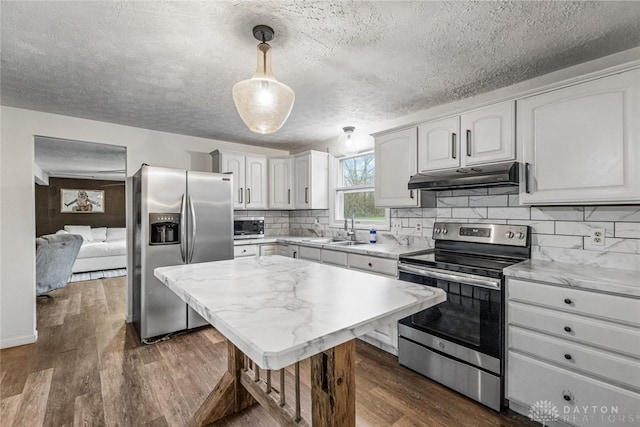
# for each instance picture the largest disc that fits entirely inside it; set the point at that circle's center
(264, 104)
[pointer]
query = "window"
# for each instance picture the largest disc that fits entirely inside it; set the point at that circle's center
(354, 193)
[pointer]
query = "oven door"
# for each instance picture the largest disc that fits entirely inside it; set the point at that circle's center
(472, 314)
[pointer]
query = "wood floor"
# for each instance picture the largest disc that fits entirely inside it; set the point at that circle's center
(88, 368)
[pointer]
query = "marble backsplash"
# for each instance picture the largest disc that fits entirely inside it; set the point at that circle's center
(559, 233)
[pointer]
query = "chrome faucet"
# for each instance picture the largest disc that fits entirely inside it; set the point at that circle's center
(350, 233)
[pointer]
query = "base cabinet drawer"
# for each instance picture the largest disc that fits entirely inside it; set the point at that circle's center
(598, 333)
(374, 264)
(312, 254)
(618, 369)
(245, 250)
(567, 396)
(611, 307)
(268, 250)
(334, 257)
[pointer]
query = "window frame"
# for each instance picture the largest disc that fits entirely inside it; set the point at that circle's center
(337, 188)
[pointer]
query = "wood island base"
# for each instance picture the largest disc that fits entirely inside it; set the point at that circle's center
(333, 393)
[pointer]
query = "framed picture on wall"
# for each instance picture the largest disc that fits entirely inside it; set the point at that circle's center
(81, 201)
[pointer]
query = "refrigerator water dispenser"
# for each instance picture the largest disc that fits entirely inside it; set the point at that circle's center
(164, 228)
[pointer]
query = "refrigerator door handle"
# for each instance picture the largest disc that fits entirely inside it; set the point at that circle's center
(183, 229)
(192, 237)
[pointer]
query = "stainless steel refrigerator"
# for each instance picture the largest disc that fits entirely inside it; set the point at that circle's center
(181, 217)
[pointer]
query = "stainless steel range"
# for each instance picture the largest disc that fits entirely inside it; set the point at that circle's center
(460, 343)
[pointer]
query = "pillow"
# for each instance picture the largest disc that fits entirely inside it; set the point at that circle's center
(62, 232)
(116, 234)
(99, 234)
(83, 230)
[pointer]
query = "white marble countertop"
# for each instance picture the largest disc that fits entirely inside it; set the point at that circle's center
(609, 280)
(280, 310)
(382, 250)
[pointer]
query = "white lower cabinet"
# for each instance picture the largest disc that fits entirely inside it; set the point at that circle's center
(334, 257)
(310, 254)
(245, 250)
(385, 266)
(572, 355)
(268, 250)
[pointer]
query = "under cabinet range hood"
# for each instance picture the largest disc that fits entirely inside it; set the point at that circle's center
(504, 174)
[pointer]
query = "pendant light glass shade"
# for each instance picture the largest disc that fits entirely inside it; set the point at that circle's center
(264, 104)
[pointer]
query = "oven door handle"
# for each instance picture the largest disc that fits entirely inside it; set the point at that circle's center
(466, 279)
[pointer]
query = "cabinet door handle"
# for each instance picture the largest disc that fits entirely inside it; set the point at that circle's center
(289, 196)
(567, 356)
(567, 329)
(370, 265)
(411, 194)
(241, 194)
(567, 301)
(306, 194)
(453, 145)
(527, 172)
(566, 395)
(468, 143)
(248, 195)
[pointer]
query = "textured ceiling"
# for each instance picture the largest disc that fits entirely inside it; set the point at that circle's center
(76, 159)
(170, 66)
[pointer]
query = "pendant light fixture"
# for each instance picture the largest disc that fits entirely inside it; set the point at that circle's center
(264, 104)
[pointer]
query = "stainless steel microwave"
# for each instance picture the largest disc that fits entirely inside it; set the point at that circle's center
(245, 227)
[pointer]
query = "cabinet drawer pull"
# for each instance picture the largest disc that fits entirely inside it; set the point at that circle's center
(568, 301)
(468, 143)
(568, 356)
(370, 265)
(566, 395)
(567, 329)
(453, 145)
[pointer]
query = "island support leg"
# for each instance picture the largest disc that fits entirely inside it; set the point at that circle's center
(333, 387)
(229, 396)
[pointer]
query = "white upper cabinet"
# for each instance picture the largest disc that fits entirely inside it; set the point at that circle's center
(489, 134)
(581, 144)
(395, 155)
(482, 136)
(281, 183)
(249, 177)
(311, 172)
(438, 144)
(256, 181)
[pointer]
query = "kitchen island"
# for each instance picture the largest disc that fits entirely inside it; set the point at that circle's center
(276, 311)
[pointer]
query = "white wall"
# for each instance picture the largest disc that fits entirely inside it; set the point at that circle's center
(17, 223)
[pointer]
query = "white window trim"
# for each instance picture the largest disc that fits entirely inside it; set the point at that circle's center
(334, 177)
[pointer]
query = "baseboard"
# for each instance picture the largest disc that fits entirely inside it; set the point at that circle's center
(19, 340)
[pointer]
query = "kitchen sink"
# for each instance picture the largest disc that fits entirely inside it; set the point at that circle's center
(348, 243)
(324, 240)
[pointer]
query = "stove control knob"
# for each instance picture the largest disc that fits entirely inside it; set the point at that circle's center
(520, 235)
(509, 234)
(445, 231)
(436, 230)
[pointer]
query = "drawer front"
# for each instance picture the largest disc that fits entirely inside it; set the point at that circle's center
(268, 250)
(611, 307)
(599, 333)
(591, 402)
(312, 254)
(334, 257)
(245, 250)
(610, 367)
(374, 264)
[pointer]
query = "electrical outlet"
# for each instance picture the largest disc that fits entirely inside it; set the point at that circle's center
(597, 237)
(396, 226)
(419, 227)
